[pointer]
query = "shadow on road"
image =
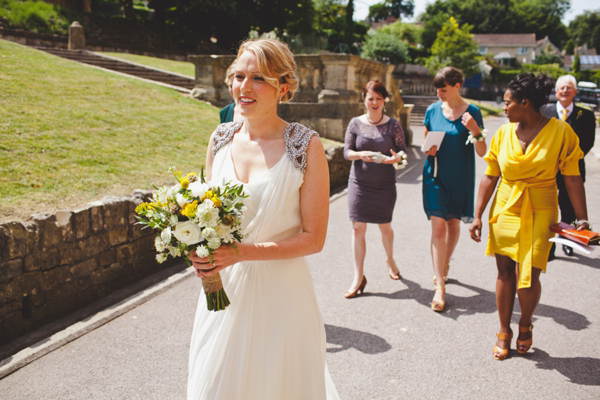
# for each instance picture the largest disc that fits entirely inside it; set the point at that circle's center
(580, 259)
(411, 174)
(579, 370)
(484, 302)
(345, 339)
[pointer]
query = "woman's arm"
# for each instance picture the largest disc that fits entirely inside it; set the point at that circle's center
(486, 189)
(314, 209)
(209, 159)
(471, 124)
(576, 191)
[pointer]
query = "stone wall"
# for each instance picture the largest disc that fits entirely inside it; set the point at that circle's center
(339, 167)
(54, 264)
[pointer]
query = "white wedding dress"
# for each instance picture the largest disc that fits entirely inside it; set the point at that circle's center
(269, 344)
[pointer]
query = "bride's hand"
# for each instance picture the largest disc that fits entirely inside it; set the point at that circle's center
(222, 258)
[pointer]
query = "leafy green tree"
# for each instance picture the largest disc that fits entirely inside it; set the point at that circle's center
(570, 47)
(548, 58)
(385, 48)
(391, 8)
(595, 39)
(501, 16)
(454, 47)
(410, 33)
(576, 67)
(349, 22)
(582, 27)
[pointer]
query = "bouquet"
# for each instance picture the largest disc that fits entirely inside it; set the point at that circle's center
(195, 216)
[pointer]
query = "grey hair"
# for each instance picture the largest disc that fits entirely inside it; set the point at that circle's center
(566, 79)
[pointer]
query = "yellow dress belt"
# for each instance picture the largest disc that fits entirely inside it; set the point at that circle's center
(525, 256)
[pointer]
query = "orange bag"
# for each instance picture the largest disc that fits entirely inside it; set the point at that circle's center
(585, 236)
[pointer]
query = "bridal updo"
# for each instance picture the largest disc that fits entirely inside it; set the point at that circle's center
(536, 89)
(275, 63)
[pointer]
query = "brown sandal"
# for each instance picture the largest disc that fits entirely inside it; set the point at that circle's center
(526, 344)
(500, 353)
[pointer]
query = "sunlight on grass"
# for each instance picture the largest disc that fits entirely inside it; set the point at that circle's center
(71, 134)
(179, 67)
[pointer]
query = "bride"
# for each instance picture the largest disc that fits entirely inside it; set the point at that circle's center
(270, 342)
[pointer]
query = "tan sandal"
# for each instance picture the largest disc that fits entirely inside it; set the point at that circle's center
(500, 353)
(526, 344)
(438, 306)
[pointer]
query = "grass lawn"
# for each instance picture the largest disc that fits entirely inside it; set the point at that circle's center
(71, 134)
(486, 109)
(179, 67)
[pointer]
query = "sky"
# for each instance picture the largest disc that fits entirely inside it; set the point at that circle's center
(361, 8)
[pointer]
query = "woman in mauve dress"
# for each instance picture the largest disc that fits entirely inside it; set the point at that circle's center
(373, 141)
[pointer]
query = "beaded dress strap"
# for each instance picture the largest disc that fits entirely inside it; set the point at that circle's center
(223, 134)
(297, 137)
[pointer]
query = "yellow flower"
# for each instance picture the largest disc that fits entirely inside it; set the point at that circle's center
(192, 177)
(216, 201)
(208, 195)
(184, 183)
(189, 210)
(142, 208)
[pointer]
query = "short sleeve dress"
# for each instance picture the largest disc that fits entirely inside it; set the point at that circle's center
(526, 202)
(371, 186)
(449, 187)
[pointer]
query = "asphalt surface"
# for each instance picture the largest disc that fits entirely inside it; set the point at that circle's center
(385, 344)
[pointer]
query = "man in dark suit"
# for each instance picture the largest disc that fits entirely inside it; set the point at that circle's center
(583, 123)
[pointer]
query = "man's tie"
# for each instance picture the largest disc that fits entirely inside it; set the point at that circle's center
(565, 115)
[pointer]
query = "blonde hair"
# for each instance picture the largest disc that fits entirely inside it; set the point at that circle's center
(275, 63)
(230, 73)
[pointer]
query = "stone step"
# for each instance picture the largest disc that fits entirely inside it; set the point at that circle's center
(124, 67)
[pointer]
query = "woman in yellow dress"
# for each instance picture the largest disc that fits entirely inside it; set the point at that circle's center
(525, 156)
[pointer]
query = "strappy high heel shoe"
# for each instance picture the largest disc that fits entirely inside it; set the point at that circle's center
(500, 353)
(361, 289)
(523, 346)
(395, 276)
(438, 306)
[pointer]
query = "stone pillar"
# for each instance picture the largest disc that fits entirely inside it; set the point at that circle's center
(76, 37)
(339, 82)
(210, 78)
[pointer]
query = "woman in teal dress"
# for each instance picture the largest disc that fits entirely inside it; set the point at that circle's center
(449, 173)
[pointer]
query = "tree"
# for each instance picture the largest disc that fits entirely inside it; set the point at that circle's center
(385, 48)
(454, 46)
(595, 39)
(349, 22)
(546, 57)
(410, 33)
(582, 27)
(576, 67)
(391, 8)
(501, 16)
(570, 47)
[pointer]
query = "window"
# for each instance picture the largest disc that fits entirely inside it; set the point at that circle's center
(522, 50)
(482, 50)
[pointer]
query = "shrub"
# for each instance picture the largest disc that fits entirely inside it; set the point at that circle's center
(385, 48)
(36, 16)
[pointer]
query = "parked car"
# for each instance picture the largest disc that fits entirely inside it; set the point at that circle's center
(588, 96)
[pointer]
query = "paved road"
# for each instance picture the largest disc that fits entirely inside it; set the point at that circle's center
(386, 344)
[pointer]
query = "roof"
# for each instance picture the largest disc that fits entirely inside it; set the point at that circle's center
(505, 39)
(587, 60)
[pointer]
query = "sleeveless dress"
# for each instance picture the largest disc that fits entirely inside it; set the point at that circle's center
(269, 344)
(450, 194)
(526, 203)
(372, 186)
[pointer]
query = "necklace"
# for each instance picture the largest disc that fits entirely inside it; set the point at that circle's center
(375, 123)
(525, 142)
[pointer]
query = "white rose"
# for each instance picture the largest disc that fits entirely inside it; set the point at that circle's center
(180, 200)
(187, 232)
(165, 235)
(198, 189)
(161, 258)
(214, 243)
(158, 243)
(202, 252)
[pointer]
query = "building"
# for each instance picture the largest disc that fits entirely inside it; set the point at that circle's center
(506, 47)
